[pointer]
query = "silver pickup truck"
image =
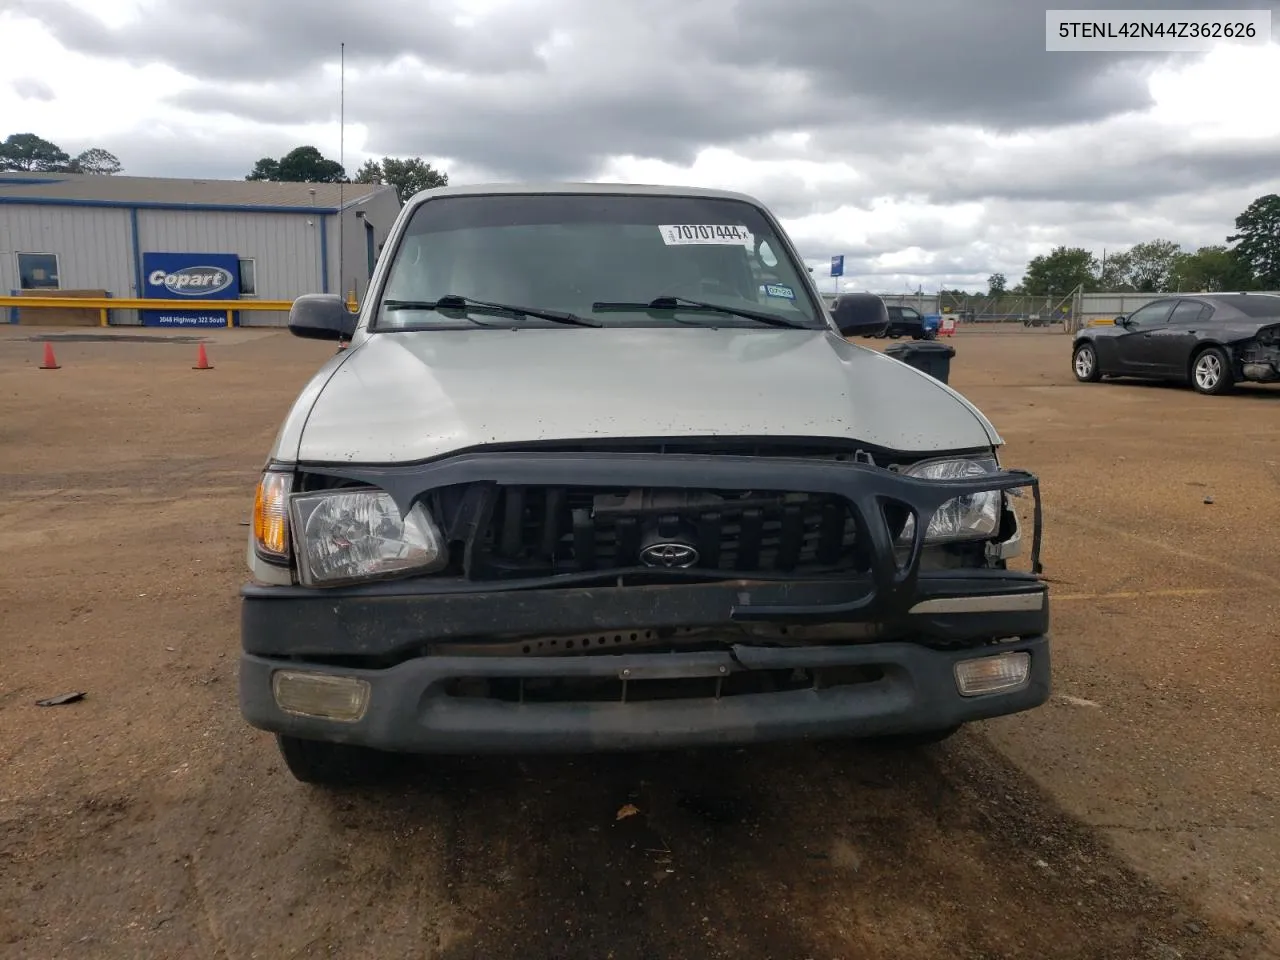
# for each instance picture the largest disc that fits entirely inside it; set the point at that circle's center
(596, 469)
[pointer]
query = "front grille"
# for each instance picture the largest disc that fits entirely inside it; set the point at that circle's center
(544, 530)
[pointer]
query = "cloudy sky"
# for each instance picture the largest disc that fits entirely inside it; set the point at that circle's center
(933, 142)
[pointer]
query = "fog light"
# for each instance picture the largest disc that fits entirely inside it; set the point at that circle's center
(344, 699)
(998, 674)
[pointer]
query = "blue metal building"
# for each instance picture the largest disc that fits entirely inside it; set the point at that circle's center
(122, 234)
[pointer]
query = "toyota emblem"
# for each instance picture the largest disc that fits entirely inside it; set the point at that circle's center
(670, 555)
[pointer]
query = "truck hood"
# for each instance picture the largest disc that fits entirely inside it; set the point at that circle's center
(409, 396)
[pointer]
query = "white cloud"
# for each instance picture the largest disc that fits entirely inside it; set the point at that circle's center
(28, 88)
(93, 99)
(1226, 94)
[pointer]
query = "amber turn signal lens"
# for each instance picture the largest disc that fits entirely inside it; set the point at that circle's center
(271, 514)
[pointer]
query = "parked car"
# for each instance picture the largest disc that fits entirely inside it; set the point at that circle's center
(909, 322)
(1212, 341)
(578, 483)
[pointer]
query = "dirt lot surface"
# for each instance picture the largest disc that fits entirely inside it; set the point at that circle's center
(1134, 816)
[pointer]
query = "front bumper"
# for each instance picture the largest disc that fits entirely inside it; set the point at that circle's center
(900, 630)
(413, 709)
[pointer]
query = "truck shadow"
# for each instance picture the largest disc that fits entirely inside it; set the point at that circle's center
(815, 850)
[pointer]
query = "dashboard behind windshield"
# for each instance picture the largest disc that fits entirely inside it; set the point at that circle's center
(568, 251)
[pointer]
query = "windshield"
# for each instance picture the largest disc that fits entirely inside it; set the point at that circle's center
(577, 252)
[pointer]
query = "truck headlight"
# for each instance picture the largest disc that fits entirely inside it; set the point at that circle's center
(970, 517)
(349, 535)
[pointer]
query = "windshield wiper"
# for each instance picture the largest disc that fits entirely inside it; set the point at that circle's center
(683, 303)
(452, 301)
(431, 305)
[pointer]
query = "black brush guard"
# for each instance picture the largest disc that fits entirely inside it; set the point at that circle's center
(868, 489)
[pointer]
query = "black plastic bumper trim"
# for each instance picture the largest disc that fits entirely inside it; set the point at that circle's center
(391, 620)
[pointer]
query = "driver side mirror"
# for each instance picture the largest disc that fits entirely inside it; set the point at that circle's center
(321, 316)
(860, 315)
(1121, 321)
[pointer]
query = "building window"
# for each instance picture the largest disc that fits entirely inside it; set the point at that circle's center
(38, 271)
(248, 278)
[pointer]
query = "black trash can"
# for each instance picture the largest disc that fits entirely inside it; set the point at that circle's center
(928, 355)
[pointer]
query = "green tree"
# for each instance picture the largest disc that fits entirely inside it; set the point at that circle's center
(412, 175)
(997, 285)
(408, 176)
(1257, 240)
(1059, 272)
(1151, 265)
(370, 172)
(1212, 269)
(300, 165)
(97, 161)
(265, 169)
(26, 152)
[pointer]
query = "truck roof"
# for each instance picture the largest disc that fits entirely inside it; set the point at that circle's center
(560, 187)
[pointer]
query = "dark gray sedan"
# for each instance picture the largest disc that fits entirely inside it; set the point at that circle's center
(1212, 341)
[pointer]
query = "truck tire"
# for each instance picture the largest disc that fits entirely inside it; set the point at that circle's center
(333, 764)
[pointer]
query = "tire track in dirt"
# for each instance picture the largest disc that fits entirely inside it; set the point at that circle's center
(817, 851)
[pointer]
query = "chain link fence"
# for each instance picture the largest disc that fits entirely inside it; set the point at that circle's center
(995, 313)
(1060, 312)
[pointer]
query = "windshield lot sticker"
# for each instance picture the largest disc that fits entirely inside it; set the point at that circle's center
(720, 234)
(778, 290)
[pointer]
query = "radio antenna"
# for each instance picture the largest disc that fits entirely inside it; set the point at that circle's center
(342, 162)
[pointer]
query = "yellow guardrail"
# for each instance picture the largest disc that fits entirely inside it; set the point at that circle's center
(105, 304)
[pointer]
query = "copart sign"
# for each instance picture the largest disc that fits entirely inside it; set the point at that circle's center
(189, 276)
(199, 281)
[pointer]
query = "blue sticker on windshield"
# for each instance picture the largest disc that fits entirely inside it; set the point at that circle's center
(778, 290)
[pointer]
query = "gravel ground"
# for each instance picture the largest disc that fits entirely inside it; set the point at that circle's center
(1131, 817)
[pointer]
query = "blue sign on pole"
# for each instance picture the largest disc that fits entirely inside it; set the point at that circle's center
(837, 266)
(189, 276)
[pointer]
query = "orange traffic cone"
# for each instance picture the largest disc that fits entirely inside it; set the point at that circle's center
(202, 360)
(50, 362)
